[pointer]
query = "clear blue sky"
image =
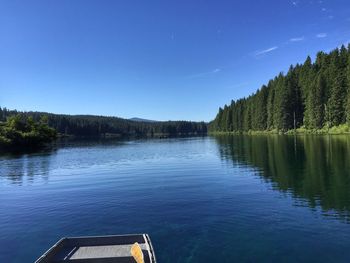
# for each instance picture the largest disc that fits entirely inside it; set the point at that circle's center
(155, 59)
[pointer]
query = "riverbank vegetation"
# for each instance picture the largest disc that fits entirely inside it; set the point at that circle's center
(102, 126)
(19, 133)
(312, 97)
(335, 130)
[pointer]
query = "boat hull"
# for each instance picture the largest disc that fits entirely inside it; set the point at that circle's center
(98, 249)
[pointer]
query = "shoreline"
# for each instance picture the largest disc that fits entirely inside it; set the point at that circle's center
(343, 129)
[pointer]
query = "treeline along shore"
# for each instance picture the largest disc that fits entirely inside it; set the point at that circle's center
(313, 97)
(101, 126)
(19, 133)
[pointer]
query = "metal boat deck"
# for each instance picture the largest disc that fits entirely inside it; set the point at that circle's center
(98, 249)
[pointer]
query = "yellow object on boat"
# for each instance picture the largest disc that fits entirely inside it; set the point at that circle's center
(136, 252)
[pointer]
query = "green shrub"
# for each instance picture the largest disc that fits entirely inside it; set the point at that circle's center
(25, 133)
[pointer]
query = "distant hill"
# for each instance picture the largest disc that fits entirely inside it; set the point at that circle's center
(95, 126)
(141, 120)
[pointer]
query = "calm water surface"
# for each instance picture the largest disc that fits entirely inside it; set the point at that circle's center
(212, 199)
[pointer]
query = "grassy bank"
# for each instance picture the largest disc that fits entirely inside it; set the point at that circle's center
(335, 130)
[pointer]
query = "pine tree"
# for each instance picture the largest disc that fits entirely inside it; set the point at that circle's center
(218, 120)
(347, 106)
(246, 116)
(305, 78)
(281, 101)
(229, 118)
(270, 105)
(337, 101)
(315, 104)
(294, 108)
(260, 111)
(240, 110)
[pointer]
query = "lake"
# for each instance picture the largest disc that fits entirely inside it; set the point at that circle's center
(202, 199)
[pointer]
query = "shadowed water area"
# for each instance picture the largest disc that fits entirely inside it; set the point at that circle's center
(209, 199)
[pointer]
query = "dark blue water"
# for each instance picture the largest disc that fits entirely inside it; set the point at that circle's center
(224, 199)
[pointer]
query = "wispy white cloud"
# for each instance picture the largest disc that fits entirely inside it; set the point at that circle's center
(203, 74)
(321, 35)
(324, 9)
(296, 39)
(265, 51)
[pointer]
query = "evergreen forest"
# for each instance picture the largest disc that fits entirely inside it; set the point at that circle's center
(311, 96)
